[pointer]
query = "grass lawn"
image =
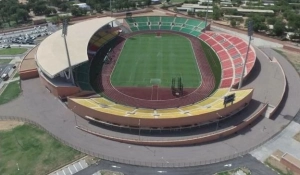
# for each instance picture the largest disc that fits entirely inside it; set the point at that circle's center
(33, 150)
(146, 60)
(243, 170)
(11, 92)
(214, 63)
(12, 51)
(16, 75)
(5, 61)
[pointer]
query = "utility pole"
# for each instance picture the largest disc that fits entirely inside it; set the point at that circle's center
(250, 33)
(139, 129)
(64, 33)
(110, 7)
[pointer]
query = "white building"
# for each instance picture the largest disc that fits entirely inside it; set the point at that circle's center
(83, 6)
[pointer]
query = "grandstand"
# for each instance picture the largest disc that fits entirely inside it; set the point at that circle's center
(103, 109)
(231, 51)
(177, 24)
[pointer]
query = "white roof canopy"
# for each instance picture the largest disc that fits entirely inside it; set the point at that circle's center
(51, 55)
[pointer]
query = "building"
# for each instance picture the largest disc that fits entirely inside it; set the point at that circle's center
(83, 6)
(195, 8)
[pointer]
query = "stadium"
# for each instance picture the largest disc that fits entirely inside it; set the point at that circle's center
(150, 74)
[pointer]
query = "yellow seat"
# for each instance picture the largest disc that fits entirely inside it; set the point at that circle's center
(124, 108)
(169, 110)
(86, 102)
(188, 108)
(103, 101)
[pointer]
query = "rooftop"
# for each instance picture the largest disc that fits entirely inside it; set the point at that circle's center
(51, 55)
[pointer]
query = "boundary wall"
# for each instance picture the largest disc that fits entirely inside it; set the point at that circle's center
(28, 67)
(196, 140)
(59, 91)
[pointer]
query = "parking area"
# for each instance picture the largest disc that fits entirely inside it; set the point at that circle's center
(27, 36)
(71, 168)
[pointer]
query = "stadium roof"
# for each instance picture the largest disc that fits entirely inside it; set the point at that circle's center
(51, 55)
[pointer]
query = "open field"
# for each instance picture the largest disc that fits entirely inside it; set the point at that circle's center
(236, 171)
(292, 57)
(8, 125)
(12, 51)
(297, 137)
(146, 60)
(33, 151)
(11, 92)
(277, 166)
(5, 61)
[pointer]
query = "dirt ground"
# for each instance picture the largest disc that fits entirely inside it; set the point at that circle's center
(275, 164)
(8, 125)
(293, 57)
(297, 137)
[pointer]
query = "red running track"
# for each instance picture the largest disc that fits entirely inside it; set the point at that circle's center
(138, 97)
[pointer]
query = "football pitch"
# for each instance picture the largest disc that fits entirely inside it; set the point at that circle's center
(147, 60)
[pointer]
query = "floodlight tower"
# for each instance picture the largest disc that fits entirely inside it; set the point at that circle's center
(206, 15)
(110, 8)
(250, 33)
(64, 33)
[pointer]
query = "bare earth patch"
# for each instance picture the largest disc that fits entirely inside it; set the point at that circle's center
(107, 172)
(293, 57)
(297, 137)
(274, 162)
(8, 125)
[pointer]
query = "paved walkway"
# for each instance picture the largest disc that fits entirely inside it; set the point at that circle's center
(248, 161)
(71, 168)
(255, 41)
(284, 140)
(37, 104)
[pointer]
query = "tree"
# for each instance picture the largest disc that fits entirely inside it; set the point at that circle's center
(63, 7)
(201, 14)
(233, 22)
(258, 23)
(191, 13)
(98, 8)
(147, 2)
(216, 13)
(75, 11)
(53, 11)
(22, 14)
(48, 11)
(271, 20)
(39, 9)
(279, 28)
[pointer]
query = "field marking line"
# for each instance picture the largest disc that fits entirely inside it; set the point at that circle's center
(75, 167)
(152, 93)
(70, 170)
(158, 100)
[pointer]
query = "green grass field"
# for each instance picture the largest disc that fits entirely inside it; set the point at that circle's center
(5, 61)
(11, 92)
(12, 51)
(32, 150)
(147, 60)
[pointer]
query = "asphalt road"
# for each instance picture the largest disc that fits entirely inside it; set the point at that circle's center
(256, 168)
(4, 69)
